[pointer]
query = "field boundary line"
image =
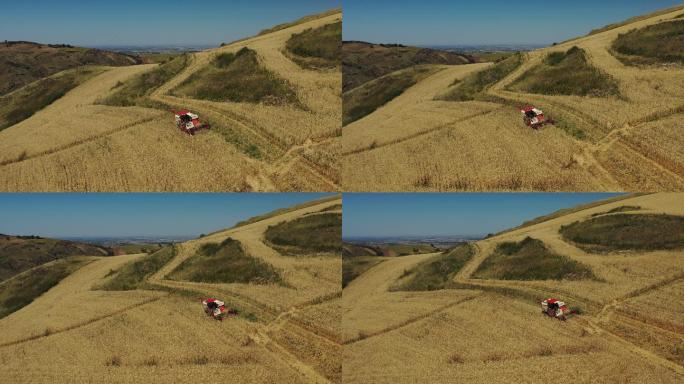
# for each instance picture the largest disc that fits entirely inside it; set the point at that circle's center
(80, 325)
(80, 141)
(419, 134)
(409, 321)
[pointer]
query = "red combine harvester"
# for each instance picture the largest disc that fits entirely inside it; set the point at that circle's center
(534, 118)
(189, 122)
(217, 309)
(556, 308)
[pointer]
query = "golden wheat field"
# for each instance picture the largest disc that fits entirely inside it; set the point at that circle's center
(417, 142)
(77, 333)
(76, 144)
(491, 331)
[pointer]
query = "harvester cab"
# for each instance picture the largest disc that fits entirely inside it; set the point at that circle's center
(556, 308)
(189, 122)
(534, 117)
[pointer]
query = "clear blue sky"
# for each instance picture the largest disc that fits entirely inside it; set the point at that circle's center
(144, 22)
(135, 214)
(445, 22)
(439, 214)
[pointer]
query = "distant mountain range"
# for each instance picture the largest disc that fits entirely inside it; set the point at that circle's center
(486, 47)
(411, 239)
(119, 240)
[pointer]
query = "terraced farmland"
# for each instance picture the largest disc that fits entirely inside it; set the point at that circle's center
(482, 329)
(456, 130)
(153, 328)
(79, 144)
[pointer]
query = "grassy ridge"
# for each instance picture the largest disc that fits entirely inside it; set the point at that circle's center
(364, 100)
(25, 102)
(655, 44)
(237, 77)
(438, 272)
(281, 211)
(136, 90)
(474, 85)
(353, 267)
(622, 208)
(225, 262)
(634, 20)
(317, 48)
(627, 232)
(20, 291)
(132, 275)
(566, 73)
(530, 259)
(21, 253)
(313, 233)
(302, 20)
(363, 62)
(23, 62)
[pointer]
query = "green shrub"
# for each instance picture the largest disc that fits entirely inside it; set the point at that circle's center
(474, 85)
(238, 77)
(132, 275)
(226, 262)
(312, 233)
(627, 232)
(438, 272)
(566, 73)
(655, 44)
(530, 259)
(136, 90)
(319, 47)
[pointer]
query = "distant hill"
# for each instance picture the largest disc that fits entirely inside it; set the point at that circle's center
(362, 61)
(20, 253)
(22, 62)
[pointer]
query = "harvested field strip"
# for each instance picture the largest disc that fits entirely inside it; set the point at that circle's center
(409, 321)
(71, 327)
(262, 310)
(653, 287)
(654, 163)
(527, 293)
(80, 141)
(420, 134)
(648, 355)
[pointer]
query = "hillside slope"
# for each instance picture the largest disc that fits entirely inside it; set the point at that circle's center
(20, 253)
(362, 62)
(614, 139)
(251, 146)
(22, 62)
(284, 332)
(630, 326)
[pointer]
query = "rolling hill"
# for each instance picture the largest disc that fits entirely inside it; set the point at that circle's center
(20, 253)
(616, 97)
(138, 317)
(472, 314)
(23, 62)
(274, 122)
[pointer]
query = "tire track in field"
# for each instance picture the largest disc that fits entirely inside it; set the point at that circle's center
(422, 133)
(410, 321)
(82, 324)
(81, 141)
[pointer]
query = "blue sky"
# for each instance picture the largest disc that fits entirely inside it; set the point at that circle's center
(446, 22)
(142, 22)
(439, 214)
(133, 214)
